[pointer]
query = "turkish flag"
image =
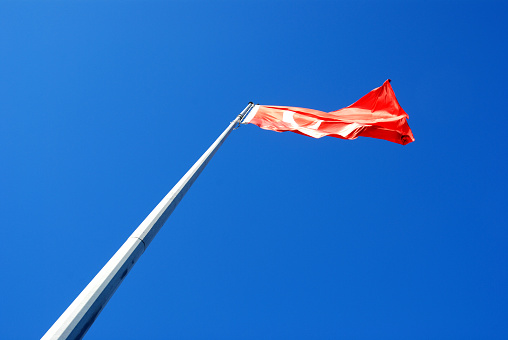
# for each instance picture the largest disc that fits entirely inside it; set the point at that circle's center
(377, 115)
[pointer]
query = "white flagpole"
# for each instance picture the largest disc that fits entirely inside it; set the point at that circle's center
(80, 315)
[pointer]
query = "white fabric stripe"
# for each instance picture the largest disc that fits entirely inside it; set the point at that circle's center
(251, 114)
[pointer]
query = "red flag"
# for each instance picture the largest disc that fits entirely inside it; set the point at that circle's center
(377, 114)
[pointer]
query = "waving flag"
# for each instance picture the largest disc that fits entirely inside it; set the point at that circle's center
(377, 115)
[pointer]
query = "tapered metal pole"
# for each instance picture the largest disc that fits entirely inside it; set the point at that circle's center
(79, 316)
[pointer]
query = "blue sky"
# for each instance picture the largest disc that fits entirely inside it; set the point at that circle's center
(105, 105)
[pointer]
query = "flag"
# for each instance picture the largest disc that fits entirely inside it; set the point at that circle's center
(377, 115)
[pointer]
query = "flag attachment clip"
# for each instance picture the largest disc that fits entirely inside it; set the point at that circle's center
(242, 115)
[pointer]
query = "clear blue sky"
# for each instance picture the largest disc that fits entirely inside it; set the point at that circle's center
(104, 105)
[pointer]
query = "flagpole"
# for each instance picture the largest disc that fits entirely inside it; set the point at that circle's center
(80, 315)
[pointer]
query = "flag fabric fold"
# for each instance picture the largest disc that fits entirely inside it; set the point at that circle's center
(377, 115)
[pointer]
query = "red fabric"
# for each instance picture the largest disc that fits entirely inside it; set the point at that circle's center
(377, 114)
